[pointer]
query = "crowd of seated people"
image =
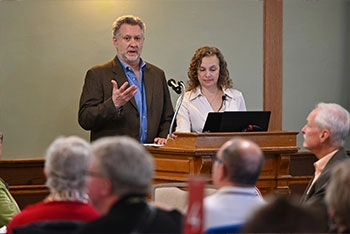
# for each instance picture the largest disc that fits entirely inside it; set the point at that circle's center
(90, 193)
(118, 194)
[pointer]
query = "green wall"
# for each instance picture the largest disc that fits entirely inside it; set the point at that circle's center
(46, 46)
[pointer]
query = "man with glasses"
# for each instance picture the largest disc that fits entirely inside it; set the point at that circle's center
(126, 96)
(235, 171)
(120, 177)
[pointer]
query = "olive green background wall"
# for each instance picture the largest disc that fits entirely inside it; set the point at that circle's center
(46, 46)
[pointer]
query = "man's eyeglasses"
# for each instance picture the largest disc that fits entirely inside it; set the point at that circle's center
(214, 158)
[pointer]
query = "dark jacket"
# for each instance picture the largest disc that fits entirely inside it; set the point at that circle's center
(49, 227)
(98, 114)
(318, 189)
(130, 216)
(315, 198)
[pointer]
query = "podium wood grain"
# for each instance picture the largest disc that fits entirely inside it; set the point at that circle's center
(190, 154)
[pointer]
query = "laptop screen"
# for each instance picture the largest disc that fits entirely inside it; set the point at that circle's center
(237, 121)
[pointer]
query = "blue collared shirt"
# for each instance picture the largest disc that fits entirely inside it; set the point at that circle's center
(140, 97)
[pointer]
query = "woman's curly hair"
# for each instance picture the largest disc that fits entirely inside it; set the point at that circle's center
(224, 80)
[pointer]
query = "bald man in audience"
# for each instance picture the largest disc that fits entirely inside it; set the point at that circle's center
(235, 171)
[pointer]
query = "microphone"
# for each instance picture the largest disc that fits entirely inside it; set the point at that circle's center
(223, 97)
(179, 88)
(176, 86)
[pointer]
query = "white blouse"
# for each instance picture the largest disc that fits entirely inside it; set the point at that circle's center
(195, 108)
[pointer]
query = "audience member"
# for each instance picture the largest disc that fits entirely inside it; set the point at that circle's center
(8, 205)
(324, 135)
(235, 172)
(209, 89)
(282, 215)
(126, 96)
(121, 173)
(66, 164)
(338, 197)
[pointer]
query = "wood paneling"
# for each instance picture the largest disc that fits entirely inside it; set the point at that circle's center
(25, 179)
(272, 85)
(190, 154)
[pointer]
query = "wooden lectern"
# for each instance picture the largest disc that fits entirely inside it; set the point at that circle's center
(190, 154)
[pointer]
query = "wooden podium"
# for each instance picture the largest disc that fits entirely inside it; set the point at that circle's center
(190, 154)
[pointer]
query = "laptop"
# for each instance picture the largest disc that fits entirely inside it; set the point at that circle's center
(237, 121)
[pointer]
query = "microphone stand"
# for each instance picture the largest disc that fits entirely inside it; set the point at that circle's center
(177, 108)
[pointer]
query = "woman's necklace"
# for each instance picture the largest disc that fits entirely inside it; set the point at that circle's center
(215, 102)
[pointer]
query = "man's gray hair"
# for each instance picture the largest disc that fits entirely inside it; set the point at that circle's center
(66, 164)
(125, 162)
(127, 19)
(336, 119)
